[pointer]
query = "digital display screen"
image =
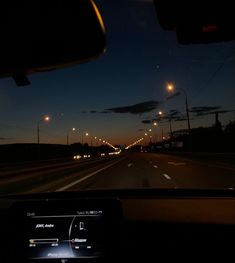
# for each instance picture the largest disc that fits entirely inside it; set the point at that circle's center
(65, 236)
(64, 230)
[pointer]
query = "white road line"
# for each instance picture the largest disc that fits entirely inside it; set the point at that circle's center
(167, 176)
(130, 164)
(176, 164)
(155, 166)
(86, 177)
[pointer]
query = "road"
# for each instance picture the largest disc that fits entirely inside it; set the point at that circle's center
(132, 170)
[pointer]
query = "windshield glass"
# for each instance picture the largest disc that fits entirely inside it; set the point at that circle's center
(148, 113)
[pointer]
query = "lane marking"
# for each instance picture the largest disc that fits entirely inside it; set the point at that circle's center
(176, 164)
(86, 177)
(130, 164)
(167, 176)
(155, 166)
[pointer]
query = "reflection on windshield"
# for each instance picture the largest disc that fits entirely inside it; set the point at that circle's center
(148, 113)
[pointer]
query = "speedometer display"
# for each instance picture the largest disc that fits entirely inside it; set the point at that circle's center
(77, 235)
(65, 230)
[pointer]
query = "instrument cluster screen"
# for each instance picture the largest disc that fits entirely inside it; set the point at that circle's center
(67, 230)
(77, 235)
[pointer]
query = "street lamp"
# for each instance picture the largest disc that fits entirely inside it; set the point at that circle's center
(86, 134)
(171, 88)
(73, 129)
(160, 114)
(44, 119)
(155, 126)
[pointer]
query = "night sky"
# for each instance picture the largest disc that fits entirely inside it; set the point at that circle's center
(104, 97)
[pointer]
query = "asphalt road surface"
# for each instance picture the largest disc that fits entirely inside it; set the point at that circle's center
(160, 171)
(132, 170)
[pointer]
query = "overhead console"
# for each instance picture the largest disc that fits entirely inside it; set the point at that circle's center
(76, 230)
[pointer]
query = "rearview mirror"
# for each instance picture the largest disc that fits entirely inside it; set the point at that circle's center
(43, 35)
(196, 21)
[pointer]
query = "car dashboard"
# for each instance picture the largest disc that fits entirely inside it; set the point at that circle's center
(118, 225)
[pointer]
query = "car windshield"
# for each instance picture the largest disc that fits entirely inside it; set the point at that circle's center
(148, 113)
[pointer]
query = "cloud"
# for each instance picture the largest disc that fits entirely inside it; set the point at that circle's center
(174, 113)
(105, 112)
(3, 138)
(138, 108)
(204, 110)
(183, 119)
(220, 111)
(93, 111)
(146, 121)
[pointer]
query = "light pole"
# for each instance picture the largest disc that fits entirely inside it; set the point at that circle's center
(145, 134)
(45, 119)
(155, 125)
(150, 136)
(95, 140)
(160, 114)
(68, 132)
(171, 88)
(86, 134)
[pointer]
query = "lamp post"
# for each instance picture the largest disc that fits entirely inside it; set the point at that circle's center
(68, 133)
(171, 88)
(86, 134)
(45, 119)
(155, 125)
(160, 114)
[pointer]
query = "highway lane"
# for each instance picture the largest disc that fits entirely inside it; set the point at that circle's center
(140, 170)
(133, 170)
(46, 176)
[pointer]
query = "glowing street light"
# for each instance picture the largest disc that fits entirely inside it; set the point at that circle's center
(150, 130)
(86, 134)
(155, 124)
(171, 88)
(44, 119)
(68, 132)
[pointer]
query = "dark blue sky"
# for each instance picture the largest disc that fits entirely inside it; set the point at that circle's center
(139, 61)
